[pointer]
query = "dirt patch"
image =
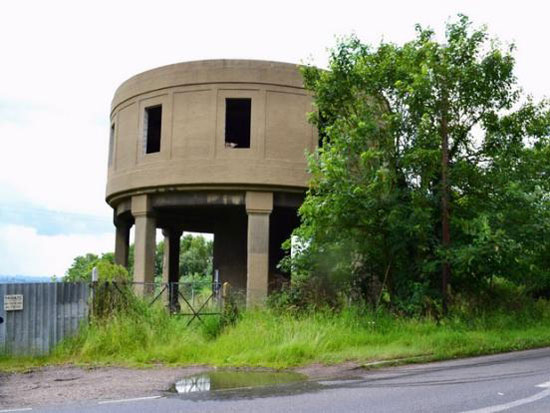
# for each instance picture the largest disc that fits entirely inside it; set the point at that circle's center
(320, 371)
(55, 385)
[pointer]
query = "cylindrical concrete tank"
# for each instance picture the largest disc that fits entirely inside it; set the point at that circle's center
(214, 146)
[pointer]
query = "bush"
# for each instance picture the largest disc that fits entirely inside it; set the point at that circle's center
(112, 293)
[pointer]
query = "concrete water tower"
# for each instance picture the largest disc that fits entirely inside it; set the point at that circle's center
(210, 146)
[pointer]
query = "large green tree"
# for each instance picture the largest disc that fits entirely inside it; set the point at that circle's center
(82, 266)
(196, 253)
(433, 170)
(195, 260)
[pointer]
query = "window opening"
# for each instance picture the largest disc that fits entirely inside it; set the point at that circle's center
(237, 123)
(153, 121)
(111, 143)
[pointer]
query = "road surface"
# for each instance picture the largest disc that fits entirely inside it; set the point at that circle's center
(512, 382)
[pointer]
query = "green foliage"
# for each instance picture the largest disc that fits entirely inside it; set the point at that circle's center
(112, 294)
(307, 293)
(109, 272)
(198, 282)
(230, 312)
(82, 266)
(196, 256)
(212, 327)
(112, 298)
(271, 339)
(372, 218)
(195, 260)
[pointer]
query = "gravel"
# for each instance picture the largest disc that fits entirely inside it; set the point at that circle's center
(56, 385)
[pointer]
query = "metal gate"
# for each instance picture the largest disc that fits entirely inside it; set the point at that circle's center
(192, 299)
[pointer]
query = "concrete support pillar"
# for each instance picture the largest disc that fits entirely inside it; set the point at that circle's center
(122, 242)
(258, 207)
(145, 243)
(171, 265)
(166, 268)
(229, 258)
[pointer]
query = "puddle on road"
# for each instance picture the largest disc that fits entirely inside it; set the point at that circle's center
(228, 379)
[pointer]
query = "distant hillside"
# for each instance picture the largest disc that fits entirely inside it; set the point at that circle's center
(23, 279)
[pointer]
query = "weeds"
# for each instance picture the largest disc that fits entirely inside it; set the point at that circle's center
(275, 339)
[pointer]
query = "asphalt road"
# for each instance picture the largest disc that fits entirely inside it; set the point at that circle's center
(513, 382)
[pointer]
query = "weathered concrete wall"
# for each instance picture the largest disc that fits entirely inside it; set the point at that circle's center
(247, 196)
(193, 150)
(230, 247)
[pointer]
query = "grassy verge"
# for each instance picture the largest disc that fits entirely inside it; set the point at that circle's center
(264, 338)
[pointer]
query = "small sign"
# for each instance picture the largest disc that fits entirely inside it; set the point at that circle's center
(13, 302)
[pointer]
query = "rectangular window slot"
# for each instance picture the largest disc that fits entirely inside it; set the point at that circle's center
(152, 121)
(237, 122)
(111, 143)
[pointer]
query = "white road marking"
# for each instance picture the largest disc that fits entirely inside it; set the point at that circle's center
(24, 409)
(516, 403)
(129, 400)
(500, 394)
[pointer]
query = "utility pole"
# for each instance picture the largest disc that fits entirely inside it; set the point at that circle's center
(445, 213)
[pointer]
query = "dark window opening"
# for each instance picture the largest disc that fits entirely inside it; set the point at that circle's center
(111, 143)
(153, 120)
(237, 123)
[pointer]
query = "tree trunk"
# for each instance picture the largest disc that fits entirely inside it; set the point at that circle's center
(445, 210)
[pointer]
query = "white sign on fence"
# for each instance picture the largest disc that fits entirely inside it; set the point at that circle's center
(13, 302)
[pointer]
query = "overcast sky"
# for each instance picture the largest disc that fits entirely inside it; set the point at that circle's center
(62, 61)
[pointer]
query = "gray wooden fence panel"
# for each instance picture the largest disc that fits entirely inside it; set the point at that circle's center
(51, 312)
(60, 313)
(3, 291)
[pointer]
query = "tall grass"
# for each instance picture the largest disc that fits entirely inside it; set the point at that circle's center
(263, 337)
(266, 338)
